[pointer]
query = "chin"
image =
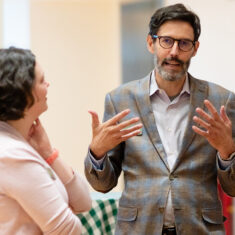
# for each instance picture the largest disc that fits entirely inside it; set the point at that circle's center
(46, 108)
(42, 110)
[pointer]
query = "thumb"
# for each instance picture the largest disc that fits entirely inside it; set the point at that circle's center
(31, 131)
(37, 122)
(95, 119)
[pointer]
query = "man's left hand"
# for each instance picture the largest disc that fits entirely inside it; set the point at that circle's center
(217, 129)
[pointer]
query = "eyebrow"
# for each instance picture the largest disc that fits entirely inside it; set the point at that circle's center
(176, 38)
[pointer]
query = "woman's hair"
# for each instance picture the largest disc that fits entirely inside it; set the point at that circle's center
(174, 12)
(16, 82)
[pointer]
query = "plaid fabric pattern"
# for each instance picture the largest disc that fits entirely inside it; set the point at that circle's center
(101, 219)
(147, 177)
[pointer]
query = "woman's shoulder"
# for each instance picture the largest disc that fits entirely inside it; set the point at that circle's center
(16, 149)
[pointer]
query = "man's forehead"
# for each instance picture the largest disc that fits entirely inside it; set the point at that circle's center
(177, 29)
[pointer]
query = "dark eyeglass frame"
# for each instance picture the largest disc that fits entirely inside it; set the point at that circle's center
(178, 40)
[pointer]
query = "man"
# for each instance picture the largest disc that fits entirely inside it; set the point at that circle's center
(171, 166)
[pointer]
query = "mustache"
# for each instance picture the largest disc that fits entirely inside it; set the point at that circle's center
(174, 60)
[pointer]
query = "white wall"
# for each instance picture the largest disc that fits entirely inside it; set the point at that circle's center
(16, 22)
(215, 59)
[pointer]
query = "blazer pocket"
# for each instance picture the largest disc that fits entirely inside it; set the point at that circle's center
(127, 214)
(213, 216)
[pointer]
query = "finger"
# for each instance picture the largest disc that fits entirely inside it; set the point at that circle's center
(205, 115)
(117, 117)
(95, 118)
(33, 127)
(128, 136)
(31, 131)
(127, 123)
(200, 132)
(201, 122)
(212, 110)
(131, 129)
(37, 122)
(224, 115)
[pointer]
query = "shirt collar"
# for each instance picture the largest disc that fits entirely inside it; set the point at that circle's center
(154, 87)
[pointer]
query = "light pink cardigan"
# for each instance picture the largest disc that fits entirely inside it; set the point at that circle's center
(33, 200)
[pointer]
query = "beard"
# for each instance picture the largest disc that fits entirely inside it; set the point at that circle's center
(171, 75)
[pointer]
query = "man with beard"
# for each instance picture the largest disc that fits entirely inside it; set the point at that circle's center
(171, 166)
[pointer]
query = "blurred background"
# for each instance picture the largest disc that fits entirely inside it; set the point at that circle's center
(89, 47)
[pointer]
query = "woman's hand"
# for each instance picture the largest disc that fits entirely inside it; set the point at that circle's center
(39, 140)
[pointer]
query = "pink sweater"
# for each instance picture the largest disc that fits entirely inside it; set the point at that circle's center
(33, 200)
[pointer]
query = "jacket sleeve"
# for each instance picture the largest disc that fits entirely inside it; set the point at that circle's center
(227, 176)
(103, 180)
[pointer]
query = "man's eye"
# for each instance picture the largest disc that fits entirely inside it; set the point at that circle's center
(167, 40)
(184, 42)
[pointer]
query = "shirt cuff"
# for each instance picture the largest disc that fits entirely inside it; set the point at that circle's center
(223, 164)
(98, 164)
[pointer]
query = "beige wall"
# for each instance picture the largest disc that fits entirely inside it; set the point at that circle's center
(77, 44)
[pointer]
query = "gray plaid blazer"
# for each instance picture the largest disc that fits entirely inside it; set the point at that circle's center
(147, 178)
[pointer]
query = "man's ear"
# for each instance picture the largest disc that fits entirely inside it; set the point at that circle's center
(196, 46)
(150, 44)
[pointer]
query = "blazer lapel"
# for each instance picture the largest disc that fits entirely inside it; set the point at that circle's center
(198, 93)
(147, 116)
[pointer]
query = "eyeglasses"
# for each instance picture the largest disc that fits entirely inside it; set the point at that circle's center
(168, 42)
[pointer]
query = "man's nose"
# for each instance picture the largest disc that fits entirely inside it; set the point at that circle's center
(175, 49)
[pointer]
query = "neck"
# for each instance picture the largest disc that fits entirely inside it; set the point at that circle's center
(22, 125)
(172, 88)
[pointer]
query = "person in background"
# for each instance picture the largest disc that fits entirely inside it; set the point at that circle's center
(171, 167)
(39, 193)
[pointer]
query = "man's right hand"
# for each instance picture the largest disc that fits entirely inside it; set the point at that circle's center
(107, 135)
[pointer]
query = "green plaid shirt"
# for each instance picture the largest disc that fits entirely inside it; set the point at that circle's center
(101, 219)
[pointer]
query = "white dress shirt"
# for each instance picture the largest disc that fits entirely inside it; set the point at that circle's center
(171, 119)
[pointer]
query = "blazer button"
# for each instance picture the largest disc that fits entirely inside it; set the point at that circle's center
(161, 209)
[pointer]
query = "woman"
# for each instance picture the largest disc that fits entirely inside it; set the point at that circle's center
(39, 193)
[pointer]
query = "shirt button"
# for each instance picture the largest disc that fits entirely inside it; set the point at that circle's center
(169, 129)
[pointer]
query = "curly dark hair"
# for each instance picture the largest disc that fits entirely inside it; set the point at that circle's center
(174, 12)
(16, 82)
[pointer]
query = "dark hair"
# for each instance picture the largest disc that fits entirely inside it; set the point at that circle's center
(174, 12)
(16, 82)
